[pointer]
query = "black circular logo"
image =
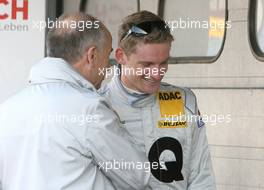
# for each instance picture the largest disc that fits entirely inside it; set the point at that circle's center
(173, 172)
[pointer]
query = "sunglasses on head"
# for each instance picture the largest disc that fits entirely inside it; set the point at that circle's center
(146, 28)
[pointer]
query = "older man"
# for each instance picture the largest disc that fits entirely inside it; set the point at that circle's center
(58, 132)
(160, 117)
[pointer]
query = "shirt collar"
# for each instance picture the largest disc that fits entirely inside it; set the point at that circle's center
(129, 96)
(56, 70)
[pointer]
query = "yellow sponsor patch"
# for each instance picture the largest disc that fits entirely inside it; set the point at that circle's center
(172, 124)
(171, 104)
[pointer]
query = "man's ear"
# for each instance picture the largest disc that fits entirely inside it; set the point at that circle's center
(91, 55)
(120, 56)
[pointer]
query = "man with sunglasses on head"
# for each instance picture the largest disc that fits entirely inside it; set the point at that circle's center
(156, 114)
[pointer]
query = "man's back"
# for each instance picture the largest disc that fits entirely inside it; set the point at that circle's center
(55, 134)
(42, 133)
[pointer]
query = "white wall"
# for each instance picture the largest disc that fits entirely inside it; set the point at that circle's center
(20, 49)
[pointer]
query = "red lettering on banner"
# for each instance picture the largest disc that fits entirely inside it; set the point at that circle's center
(15, 9)
(5, 15)
(23, 9)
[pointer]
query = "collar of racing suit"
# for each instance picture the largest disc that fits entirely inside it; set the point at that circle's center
(51, 69)
(130, 97)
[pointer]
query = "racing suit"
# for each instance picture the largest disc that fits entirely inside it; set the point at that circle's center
(58, 133)
(160, 125)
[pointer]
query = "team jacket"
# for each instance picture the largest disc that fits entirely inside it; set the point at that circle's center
(58, 134)
(178, 145)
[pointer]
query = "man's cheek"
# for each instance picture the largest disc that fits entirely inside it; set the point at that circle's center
(163, 71)
(147, 72)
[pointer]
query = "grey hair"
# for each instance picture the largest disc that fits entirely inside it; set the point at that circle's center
(69, 41)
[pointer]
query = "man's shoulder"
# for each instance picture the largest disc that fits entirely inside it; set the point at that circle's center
(183, 90)
(185, 93)
(57, 96)
(69, 92)
(84, 97)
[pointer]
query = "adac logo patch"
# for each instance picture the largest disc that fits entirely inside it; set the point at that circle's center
(171, 104)
(169, 95)
(172, 124)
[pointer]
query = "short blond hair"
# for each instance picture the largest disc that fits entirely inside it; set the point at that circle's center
(156, 36)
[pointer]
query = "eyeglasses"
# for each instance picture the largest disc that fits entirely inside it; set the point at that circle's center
(146, 28)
